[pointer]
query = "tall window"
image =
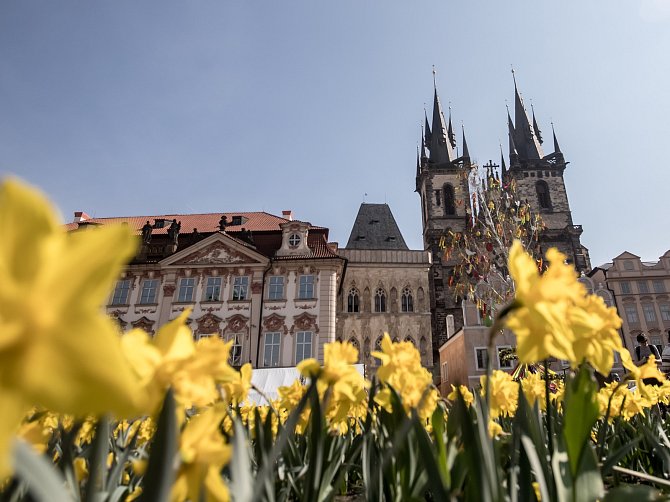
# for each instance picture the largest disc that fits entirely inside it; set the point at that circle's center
(306, 289)
(121, 292)
(659, 287)
(642, 286)
(276, 290)
(213, 290)
(449, 200)
(235, 358)
(665, 311)
(148, 293)
(438, 199)
(303, 345)
(352, 301)
(481, 357)
(240, 288)
(625, 287)
(186, 288)
(543, 198)
(380, 301)
(649, 312)
(631, 314)
(271, 347)
(406, 301)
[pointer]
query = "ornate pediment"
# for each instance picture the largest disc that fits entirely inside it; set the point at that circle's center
(217, 253)
(145, 324)
(305, 322)
(209, 324)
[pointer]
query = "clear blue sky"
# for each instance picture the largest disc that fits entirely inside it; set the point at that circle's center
(131, 107)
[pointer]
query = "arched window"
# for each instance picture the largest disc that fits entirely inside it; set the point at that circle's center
(353, 341)
(352, 301)
(380, 300)
(407, 301)
(449, 199)
(543, 197)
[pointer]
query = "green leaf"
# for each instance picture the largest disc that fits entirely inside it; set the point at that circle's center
(160, 471)
(629, 493)
(98, 461)
(581, 413)
(44, 482)
(536, 464)
(241, 479)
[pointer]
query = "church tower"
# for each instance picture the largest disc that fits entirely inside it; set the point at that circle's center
(442, 184)
(539, 180)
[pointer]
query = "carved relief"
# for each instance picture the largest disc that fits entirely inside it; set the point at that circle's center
(144, 324)
(256, 287)
(305, 322)
(236, 324)
(275, 322)
(209, 324)
(216, 253)
(169, 289)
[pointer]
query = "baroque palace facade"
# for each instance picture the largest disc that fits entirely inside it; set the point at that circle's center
(267, 283)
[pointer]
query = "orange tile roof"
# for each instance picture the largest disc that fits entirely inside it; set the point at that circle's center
(204, 223)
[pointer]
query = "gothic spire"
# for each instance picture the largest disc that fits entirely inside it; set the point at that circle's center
(557, 149)
(424, 141)
(538, 133)
(525, 140)
(513, 153)
(426, 135)
(466, 152)
(503, 167)
(441, 151)
(450, 132)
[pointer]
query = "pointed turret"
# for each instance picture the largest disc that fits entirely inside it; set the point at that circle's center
(424, 142)
(427, 137)
(450, 132)
(440, 147)
(525, 140)
(557, 149)
(466, 152)
(538, 133)
(503, 167)
(513, 153)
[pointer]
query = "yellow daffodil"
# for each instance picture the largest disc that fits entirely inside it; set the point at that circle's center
(173, 359)
(401, 369)
(495, 429)
(203, 453)
(504, 393)
(57, 348)
(556, 318)
(533, 386)
(541, 320)
(465, 392)
(338, 375)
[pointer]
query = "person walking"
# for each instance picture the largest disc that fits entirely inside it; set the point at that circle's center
(644, 350)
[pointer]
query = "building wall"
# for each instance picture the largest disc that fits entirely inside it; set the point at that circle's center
(391, 270)
(642, 296)
(226, 317)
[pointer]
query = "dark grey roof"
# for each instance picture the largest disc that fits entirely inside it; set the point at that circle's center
(375, 228)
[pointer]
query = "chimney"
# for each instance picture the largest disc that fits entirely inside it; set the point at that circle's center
(80, 216)
(288, 214)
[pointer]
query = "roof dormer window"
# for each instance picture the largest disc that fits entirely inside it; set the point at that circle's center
(294, 240)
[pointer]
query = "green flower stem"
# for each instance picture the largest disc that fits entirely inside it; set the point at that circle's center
(550, 438)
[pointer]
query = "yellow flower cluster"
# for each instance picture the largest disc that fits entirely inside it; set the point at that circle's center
(556, 318)
(346, 387)
(503, 393)
(57, 349)
(401, 369)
